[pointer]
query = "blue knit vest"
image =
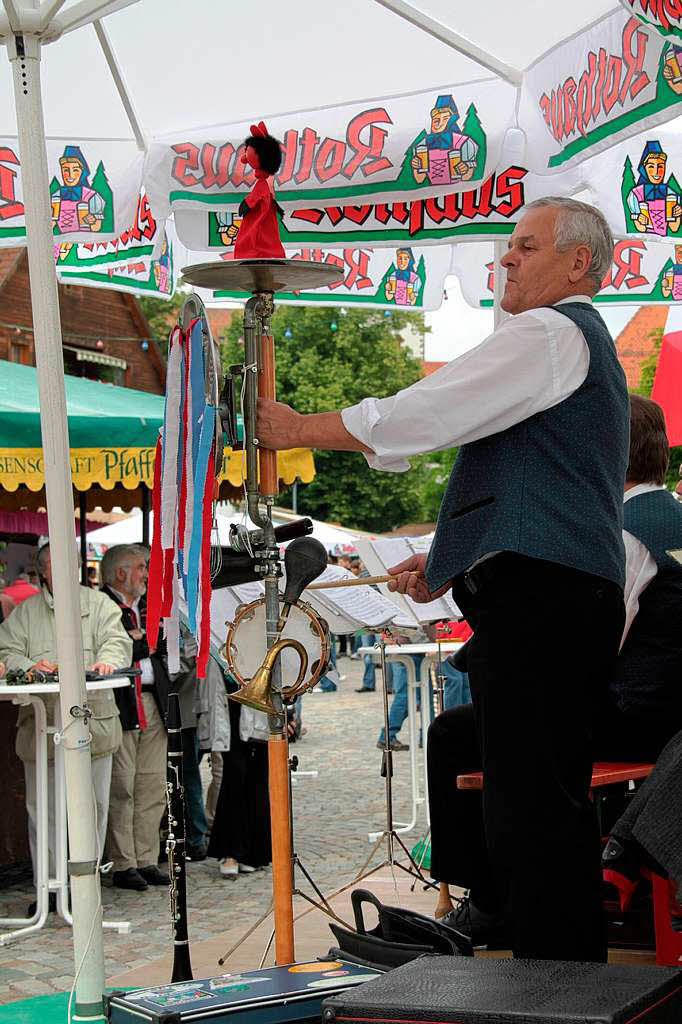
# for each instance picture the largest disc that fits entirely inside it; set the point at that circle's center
(655, 519)
(550, 487)
(647, 681)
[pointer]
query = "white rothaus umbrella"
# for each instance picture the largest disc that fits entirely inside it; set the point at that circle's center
(167, 69)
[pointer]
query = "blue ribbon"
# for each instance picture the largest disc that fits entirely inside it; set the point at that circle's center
(196, 545)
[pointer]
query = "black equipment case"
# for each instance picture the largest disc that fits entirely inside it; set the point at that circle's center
(274, 995)
(461, 990)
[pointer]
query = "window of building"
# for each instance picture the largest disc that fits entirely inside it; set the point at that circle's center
(94, 365)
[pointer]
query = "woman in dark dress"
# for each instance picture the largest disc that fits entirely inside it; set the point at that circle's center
(240, 837)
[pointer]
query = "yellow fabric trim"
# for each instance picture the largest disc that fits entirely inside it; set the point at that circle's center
(129, 467)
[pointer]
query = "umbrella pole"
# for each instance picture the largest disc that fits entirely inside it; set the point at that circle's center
(24, 55)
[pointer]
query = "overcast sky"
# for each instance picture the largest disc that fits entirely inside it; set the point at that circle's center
(456, 326)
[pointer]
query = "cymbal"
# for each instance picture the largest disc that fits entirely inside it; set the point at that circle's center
(261, 275)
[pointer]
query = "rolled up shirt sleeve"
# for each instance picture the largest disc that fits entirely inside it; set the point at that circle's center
(530, 363)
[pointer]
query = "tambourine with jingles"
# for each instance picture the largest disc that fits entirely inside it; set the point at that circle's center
(245, 648)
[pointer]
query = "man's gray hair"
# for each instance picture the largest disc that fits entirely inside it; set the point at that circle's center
(581, 224)
(117, 556)
(43, 552)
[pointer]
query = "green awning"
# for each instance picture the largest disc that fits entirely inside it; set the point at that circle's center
(99, 414)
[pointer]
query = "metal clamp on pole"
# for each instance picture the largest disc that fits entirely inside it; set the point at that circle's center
(82, 867)
(81, 711)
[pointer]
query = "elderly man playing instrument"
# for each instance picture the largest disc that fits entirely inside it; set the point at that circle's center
(28, 643)
(529, 531)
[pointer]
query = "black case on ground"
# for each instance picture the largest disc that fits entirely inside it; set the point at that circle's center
(460, 990)
(274, 995)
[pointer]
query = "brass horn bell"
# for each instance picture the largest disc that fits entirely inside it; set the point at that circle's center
(257, 691)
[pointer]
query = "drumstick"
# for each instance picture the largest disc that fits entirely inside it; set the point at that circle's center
(357, 582)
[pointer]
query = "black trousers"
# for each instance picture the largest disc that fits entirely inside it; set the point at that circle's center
(545, 638)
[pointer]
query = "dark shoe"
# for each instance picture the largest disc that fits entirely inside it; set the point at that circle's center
(51, 905)
(395, 745)
(486, 931)
(129, 879)
(153, 876)
(365, 689)
(195, 853)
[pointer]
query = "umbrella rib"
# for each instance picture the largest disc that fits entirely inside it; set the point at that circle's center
(120, 83)
(445, 35)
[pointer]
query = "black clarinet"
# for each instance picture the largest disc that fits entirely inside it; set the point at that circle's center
(175, 844)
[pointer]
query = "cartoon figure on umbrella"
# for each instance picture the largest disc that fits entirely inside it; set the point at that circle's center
(672, 68)
(75, 205)
(402, 287)
(444, 155)
(654, 205)
(161, 268)
(671, 285)
(228, 226)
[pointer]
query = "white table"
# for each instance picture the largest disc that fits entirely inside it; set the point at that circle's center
(32, 693)
(401, 653)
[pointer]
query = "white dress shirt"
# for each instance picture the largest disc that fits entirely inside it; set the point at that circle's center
(530, 363)
(640, 567)
(145, 664)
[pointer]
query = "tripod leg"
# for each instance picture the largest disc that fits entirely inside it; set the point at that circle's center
(361, 872)
(245, 936)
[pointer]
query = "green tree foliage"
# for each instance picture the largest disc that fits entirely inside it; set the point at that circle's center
(474, 129)
(320, 369)
(161, 314)
(646, 383)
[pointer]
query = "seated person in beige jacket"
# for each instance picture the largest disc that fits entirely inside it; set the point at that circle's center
(28, 643)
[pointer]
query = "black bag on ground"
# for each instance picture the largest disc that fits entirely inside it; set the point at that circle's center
(400, 936)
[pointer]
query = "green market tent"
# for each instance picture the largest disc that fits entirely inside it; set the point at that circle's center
(112, 436)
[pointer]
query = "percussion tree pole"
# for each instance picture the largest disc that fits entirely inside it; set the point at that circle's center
(263, 278)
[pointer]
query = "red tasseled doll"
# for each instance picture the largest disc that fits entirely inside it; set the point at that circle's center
(258, 236)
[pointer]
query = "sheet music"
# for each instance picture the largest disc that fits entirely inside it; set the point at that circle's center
(363, 606)
(384, 552)
(346, 609)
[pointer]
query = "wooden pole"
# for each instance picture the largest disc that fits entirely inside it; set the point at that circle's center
(267, 460)
(282, 867)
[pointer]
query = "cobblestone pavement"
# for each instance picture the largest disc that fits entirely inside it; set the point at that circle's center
(333, 814)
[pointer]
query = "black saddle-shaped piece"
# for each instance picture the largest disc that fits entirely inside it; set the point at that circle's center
(401, 935)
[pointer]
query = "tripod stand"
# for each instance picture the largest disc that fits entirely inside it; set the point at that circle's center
(321, 903)
(389, 834)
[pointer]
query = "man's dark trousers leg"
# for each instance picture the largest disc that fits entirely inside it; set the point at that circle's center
(545, 637)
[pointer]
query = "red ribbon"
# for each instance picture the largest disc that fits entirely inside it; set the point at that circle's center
(155, 583)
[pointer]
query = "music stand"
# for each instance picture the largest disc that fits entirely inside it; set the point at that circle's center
(389, 834)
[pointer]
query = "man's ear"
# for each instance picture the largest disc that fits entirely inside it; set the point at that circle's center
(582, 258)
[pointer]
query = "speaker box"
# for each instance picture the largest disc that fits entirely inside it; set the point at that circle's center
(460, 990)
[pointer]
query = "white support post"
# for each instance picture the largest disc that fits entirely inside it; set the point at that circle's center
(24, 54)
(499, 282)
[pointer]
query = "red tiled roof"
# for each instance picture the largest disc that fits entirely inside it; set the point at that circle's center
(220, 319)
(635, 343)
(432, 367)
